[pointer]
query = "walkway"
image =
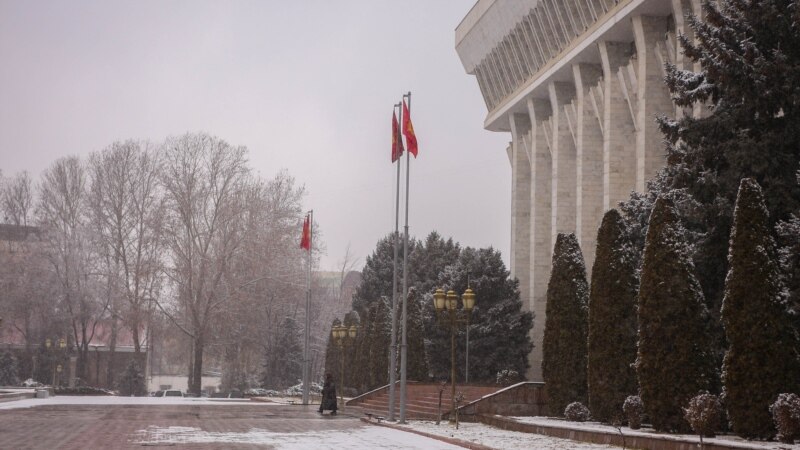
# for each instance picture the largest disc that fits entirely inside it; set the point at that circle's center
(109, 423)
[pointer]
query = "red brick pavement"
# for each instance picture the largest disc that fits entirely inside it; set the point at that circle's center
(73, 427)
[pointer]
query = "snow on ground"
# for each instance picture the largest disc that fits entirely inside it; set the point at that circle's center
(366, 437)
(496, 438)
(728, 440)
(114, 400)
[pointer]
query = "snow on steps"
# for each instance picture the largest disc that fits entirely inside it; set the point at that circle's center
(422, 399)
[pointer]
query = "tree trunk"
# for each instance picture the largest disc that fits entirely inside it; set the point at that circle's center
(112, 348)
(197, 373)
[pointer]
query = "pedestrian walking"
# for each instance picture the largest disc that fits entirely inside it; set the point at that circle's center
(328, 395)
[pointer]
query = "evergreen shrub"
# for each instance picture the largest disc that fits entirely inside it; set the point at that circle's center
(674, 359)
(566, 327)
(786, 414)
(612, 320)
(577, 412)
(633, 409)
(703, 414)
(761, 360)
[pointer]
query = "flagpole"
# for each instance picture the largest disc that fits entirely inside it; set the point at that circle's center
(404, 345)
(393, 347)
(306, 348)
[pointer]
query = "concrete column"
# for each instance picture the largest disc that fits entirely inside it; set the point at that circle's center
(521, 204)
(619, 137)
(653, 97)
(589, 158)
(564, 167)
(541, 242)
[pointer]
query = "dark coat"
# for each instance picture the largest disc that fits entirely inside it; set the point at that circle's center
(329, 395)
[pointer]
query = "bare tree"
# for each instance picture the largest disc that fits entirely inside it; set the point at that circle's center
(62, 214)
(17, 199)
(127, 209)
(205, 181)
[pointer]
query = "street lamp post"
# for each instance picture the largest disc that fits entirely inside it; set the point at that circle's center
(62, 344)
(344, 337)
(447, 315)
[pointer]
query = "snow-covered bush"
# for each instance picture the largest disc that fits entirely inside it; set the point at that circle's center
(507, 377)
(703, 414)
(786, 414)
(577, 412)
(30, 382)
(633, 409)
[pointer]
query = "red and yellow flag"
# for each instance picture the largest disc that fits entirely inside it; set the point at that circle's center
(397, 141)
(305, 241)
(408, 131)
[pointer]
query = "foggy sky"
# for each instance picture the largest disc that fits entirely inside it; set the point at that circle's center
(306, 86)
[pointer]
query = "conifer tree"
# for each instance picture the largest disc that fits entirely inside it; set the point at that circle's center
(761, 361)
(748, 53)
(417, 364)
(379, 341)
(8, 369)
(499, 328)
(376, 276)
(331, 352)
(674, 359)
(352, 357)
(566, 327)
(283, 365)
(131, 381)
(612, 321)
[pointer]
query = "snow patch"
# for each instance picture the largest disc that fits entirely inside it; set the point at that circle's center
(368, 437)
(494, 437)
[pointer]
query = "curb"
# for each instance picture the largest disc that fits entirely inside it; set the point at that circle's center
(453, 441)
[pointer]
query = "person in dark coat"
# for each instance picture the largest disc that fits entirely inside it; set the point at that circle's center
(328, 395)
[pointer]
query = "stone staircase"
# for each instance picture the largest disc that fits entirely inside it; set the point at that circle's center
(421, 403)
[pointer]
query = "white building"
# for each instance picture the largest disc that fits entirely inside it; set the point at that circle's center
(578, 85)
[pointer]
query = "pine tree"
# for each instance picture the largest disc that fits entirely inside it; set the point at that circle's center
(379, 341)
(429, 260)
(674, 360)
(331, 351)
(566, 327)
(376, 276)
(761, 361)
(131, 381)
(789, 259)
(499, 331)
(612, 321)
(748, 53)
(289, 357)
(352, 357)
(417, 364)
(8, 369)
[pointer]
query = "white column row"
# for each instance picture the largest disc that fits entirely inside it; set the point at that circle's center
(582, 146)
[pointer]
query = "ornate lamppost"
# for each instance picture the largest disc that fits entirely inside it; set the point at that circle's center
(62, 345)
(448, 316)
(344, 337)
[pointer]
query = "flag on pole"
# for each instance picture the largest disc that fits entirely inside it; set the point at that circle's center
(408, 131)
(305, 241)
(397, 141)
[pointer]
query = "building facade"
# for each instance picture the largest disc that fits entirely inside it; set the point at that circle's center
(578, 84)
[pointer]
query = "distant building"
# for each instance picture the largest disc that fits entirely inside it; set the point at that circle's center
(578, 85)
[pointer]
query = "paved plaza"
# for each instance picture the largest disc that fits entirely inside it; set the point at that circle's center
(150, 423)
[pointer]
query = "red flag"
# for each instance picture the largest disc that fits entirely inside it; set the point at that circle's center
(305, 241)
(408, 131)
(397, 141)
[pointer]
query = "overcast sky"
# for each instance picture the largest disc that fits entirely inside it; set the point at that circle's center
(306, 86)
